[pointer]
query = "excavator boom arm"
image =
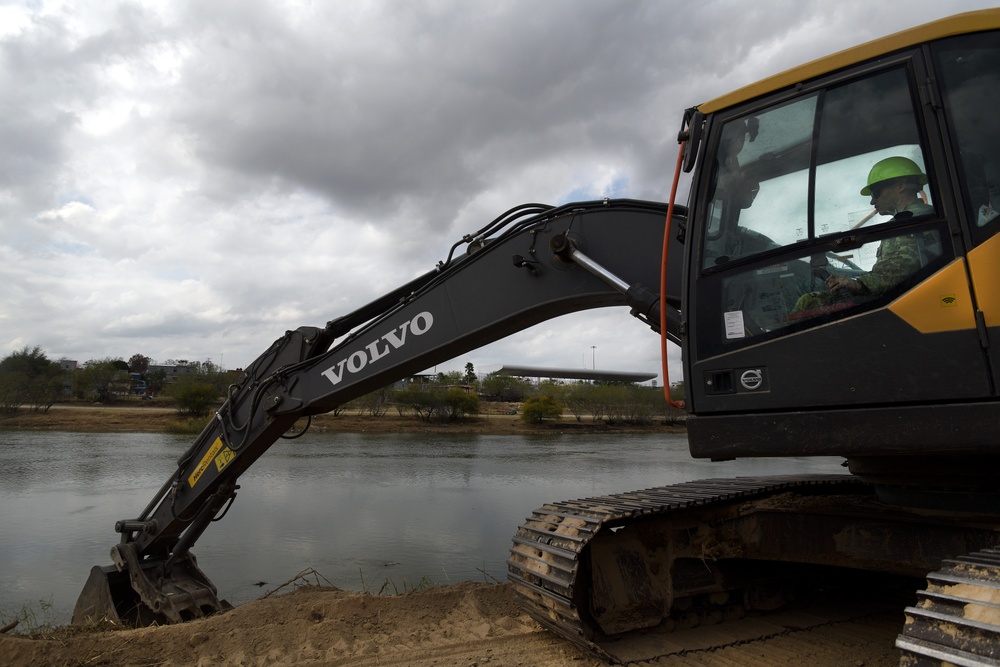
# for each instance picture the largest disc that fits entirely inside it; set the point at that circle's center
(559, 261)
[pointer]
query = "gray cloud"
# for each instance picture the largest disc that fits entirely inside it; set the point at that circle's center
(190, 179)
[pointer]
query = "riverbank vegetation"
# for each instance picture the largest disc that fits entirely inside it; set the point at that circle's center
(27, 377)
(114, 395)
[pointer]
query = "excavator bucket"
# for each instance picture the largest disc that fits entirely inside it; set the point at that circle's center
(108, 595)
(140, 594)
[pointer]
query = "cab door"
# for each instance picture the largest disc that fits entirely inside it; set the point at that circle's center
(967, 70)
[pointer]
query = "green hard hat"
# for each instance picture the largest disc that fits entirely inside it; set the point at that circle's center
(893, 167)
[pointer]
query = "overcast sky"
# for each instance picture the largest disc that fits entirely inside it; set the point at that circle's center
(188, 180)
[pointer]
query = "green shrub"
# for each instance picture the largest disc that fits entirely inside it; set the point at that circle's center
(542, 407)
(433, 403)
(506, 388)
(460, 403)
(194, 398)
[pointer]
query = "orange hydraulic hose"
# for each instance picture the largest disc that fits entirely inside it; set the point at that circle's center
(663, 282)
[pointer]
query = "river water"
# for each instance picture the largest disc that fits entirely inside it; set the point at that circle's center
(379, 512)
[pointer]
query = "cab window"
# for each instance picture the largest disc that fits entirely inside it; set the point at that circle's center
(820, 204)
(966, 67)
(795, 172)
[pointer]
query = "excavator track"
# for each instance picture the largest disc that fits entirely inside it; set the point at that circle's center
(956, 620)
(553, 567)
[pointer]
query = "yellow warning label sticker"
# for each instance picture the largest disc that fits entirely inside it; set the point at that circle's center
(224, 458)
(206, 460)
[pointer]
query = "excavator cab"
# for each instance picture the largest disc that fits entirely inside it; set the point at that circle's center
(904, 364)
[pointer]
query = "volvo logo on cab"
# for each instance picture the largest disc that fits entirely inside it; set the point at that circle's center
(378, 348)
(752, 379)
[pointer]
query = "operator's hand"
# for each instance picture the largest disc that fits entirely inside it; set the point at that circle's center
(834, 283)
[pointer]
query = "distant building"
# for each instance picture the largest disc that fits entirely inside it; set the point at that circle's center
(419, 378)
(539, 372)
(67, 364)
(172, 373)
(576, 374)
(138, 383)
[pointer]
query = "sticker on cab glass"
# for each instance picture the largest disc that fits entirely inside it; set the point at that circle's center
(734, 324)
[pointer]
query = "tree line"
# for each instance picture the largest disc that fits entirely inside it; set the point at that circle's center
(29, 378)
(454, 395)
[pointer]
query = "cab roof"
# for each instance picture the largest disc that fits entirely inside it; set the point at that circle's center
(959, 24)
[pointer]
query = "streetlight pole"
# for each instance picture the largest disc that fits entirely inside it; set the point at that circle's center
(593, 356)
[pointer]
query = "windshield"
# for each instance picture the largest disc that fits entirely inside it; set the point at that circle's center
(795, 172)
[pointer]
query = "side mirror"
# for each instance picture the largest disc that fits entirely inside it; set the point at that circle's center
(694, 122)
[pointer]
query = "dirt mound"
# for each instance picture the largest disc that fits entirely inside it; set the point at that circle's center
(463, 624)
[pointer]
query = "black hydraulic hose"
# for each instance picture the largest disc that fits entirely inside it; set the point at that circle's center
(255, 402)
(539, 213)
(309, 421)
(499, 222)
(505, 219)
(342, 325)
(157, 498)
(381, 308)
(225, 511)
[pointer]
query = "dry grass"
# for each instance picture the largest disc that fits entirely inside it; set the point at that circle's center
(93, 418)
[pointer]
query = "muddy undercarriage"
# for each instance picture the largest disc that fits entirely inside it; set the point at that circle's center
(621, 574)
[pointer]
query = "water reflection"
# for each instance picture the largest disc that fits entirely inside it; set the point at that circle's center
(362, 509)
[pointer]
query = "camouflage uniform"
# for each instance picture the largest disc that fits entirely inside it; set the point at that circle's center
(897, 259)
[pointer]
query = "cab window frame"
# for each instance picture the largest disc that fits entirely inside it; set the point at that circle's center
(709, 274)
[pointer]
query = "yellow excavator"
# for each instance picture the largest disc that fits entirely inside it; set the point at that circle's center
(833, 282)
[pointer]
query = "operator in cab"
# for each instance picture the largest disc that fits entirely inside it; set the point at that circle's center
(894, 185)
